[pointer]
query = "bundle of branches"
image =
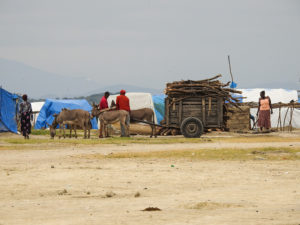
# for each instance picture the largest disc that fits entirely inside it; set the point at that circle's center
(211, 87)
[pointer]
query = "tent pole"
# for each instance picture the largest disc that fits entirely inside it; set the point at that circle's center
(285, 116)
(279, 119)
(230, 68)
(291, 117)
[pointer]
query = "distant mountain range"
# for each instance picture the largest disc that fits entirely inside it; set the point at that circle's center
(20, 78)
(127, 87)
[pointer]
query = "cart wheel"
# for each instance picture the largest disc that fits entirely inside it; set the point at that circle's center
(191, 127)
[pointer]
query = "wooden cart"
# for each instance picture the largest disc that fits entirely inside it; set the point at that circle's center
(193, 114)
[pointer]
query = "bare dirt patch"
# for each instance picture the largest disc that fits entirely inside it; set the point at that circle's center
(89, 182)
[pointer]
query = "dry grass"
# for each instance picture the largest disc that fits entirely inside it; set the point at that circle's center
(93, 141)
(256, 139)
(145, 140)
(287, 153)
(43, 142)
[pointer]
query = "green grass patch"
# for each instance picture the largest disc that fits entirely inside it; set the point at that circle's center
(211, 154)
(67, 132)
(43, 136)
(19, 141)
(40, 132)
(40, 142)
(111, 140)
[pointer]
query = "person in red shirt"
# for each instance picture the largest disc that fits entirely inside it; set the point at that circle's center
(103, 104)
(122, 103)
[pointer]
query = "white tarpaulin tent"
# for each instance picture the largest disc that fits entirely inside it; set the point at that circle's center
(36, 108)
(275, 116)
(137, 100)
(276, 95)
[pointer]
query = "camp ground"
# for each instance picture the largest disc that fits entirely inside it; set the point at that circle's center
(207, 126)
(230, 174)
(284, 115)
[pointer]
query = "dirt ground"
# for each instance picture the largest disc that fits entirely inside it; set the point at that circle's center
(66, 186)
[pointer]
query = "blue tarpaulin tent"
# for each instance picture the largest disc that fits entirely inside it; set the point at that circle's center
(8, 110)
(52, 106)
(159, 106)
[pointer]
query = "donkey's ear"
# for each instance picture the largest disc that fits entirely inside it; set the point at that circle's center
(94, 105)
(55, 115)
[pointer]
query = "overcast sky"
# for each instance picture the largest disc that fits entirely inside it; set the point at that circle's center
(149, 43)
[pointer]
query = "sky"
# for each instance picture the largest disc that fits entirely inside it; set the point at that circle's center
(150, 43)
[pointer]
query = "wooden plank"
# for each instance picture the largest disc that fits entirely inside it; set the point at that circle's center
(213, 121)
(191, 115)
(192, 111)
(199, 111)
(174, 120)
(196, 107)
(211, 126)
(198, 98)
(212, 115)
(220, 112)
(167, 111)
(192, 103)
(198, 103)
(203, 112)
(180, 113)
(209, 106)
(173, 105)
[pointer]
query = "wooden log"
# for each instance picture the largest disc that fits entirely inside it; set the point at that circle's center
(168, 132)
(198, 81)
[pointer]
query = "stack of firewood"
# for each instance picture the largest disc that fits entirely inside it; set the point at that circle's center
(238, 119)
(204, 88)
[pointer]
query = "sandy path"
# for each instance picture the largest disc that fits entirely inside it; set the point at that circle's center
(191, 192)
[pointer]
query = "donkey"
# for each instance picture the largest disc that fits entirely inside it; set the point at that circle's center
(107, 116)
(74, 118)
(145, 114)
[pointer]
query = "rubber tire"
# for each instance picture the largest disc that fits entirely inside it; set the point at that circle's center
(191, 127)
